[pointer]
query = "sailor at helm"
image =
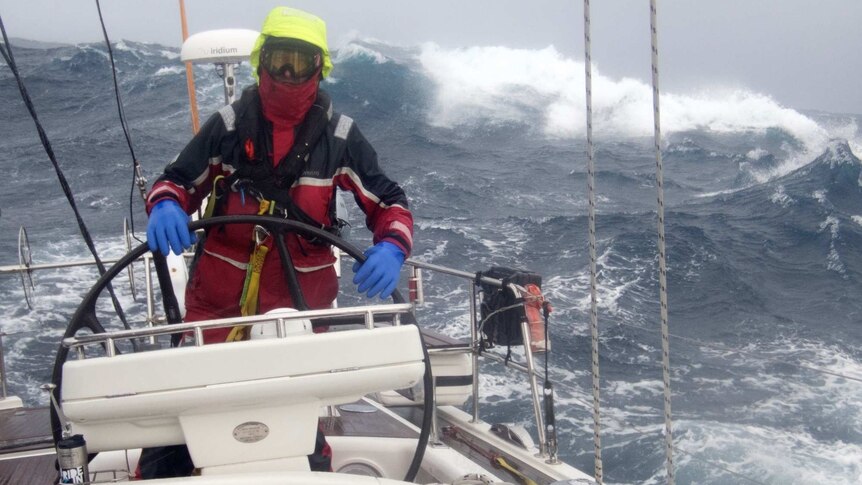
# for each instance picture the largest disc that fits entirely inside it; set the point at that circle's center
(280, 149)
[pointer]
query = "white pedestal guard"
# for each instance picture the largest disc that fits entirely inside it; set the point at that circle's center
(231, 403)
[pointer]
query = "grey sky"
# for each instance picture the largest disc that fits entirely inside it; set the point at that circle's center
(805, 54)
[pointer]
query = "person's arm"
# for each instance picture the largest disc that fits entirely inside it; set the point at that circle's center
(381, 199)
(386, 214)
(181, 188)
(188, 178)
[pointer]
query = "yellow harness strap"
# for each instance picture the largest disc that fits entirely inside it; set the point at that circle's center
(251, 287)
(250, 292)
(237, 334)
(248, 302)
(267, 207)
(502, 463)
(214, 195)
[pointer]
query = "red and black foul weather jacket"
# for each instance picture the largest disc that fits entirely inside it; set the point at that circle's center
(329, 152)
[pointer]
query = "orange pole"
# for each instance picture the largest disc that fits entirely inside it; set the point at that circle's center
(190, 75)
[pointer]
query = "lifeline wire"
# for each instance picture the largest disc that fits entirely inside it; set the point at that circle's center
(591, 177)
(725, 348)
(662, 259)
(10, 60)
(137, 176)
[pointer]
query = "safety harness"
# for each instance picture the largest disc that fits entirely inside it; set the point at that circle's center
(248, 301)
(256, 177)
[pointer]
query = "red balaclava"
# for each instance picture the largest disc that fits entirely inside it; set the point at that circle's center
(285, 106)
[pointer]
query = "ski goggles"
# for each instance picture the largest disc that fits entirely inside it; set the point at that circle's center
(290, 61)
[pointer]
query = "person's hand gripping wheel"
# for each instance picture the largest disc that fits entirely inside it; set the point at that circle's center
(168, 228)
(379, 273)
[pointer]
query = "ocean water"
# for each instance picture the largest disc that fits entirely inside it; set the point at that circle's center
(764, 232)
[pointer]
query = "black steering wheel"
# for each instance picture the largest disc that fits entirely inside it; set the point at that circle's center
(85, 315)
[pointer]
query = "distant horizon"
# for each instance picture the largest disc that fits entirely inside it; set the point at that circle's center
(802, 55)
(42, 44)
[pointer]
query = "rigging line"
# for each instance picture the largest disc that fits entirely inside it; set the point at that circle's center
(723, 347)
(64, 184)
(662, 255)
(591, 177)
(17, 332)
(137, 177)
(120, 111)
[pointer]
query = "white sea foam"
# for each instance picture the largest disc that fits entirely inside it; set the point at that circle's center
(619, 275)
(819, 196)
(756, 154)
(90, 48)
(833, 259)
(782, 408)
(169, 54)
(839, 156)
(499, 239)
(780, 197)
(503, 387)
(170, 71)
(352, 50)
(55, 295)
(643, 388)
(515, 85)
(687, 146)
(767, 454)
(432, 254)
(828, 383)
(830, 223)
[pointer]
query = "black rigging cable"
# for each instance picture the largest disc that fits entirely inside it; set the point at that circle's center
(137, 177)
(6, 51)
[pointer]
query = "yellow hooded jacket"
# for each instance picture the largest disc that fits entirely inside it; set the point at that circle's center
(291, 23)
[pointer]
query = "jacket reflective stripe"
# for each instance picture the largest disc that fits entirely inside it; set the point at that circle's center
(228, 116)
(402, 229)
(244, 266)
(232, 262)
(313, 268)
(317, 182)
(165, 188)
(343, 127)
(357, 182)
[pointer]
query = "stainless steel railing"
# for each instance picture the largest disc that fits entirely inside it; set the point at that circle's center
(528, 367)
(108, 339)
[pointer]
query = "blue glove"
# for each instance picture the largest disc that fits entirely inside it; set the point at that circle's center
(168, 228)
(379, 273)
